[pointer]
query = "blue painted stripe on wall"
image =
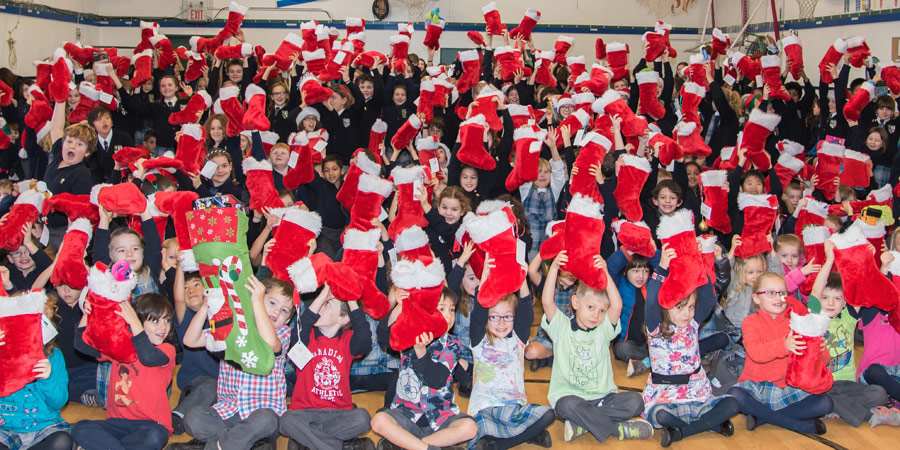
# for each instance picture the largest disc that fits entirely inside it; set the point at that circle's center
(283, 3)
(891, 15)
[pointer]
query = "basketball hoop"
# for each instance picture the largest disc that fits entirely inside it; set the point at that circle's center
(807, 9)
(415, 9)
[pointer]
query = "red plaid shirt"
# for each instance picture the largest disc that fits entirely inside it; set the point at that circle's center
(242, 393)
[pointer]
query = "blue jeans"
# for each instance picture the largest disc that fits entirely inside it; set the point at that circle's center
(120, 434)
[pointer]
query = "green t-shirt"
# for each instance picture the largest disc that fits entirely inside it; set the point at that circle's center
(839, 340)
(581, 361)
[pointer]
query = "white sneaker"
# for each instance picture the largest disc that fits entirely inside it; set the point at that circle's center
(571, 431)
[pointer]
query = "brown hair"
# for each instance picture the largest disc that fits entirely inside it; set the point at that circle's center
(789, 240)
(84, 133)
(274, 283)
(457, 193)
(670, 185)
(666, 326)
(344, 92)
(222, 118)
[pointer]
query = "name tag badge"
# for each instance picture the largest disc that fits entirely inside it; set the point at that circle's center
(346, 122)
(300, 355)
(292, 162)
(209, 169)
(48, 331)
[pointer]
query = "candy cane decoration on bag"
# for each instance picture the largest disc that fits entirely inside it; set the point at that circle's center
(229, 272)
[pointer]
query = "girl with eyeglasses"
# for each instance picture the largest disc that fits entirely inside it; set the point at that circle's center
(498, 401)
(762, 392)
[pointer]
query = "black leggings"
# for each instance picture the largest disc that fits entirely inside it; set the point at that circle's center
(713, 342)
(876, 374)
(724, 410)
(530, 433)
(59, 440)
(796, 416)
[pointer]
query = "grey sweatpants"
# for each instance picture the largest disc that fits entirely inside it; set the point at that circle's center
(200, 393)
(232, 433)
(600, 416)
(854, 401)
(325, 429)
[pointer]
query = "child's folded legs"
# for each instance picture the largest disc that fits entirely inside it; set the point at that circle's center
(325, 429)
(601, 416)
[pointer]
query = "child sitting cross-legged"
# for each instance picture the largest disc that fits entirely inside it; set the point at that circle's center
(581, 385)
(321, 414)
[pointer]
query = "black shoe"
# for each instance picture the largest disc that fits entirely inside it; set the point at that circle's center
(751, 422)
(177, 424)
(534, 365)
(362, 443)
(485, 443)
(820, 426)
(294, 445)
(726, 428)
(193, 444)
(265, 444)
(668, 435)
(542, 440)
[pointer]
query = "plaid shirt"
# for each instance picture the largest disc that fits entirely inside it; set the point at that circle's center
(242, 393)
(377, 360)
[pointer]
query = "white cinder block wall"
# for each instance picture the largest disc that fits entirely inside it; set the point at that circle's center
(36, 38)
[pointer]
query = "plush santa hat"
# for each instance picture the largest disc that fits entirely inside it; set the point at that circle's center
(473, 135)
(361, 255)
(193, 111)
(409, 207)
(832, 57)
(494, 233)
(70, 269)
(828, 164)
(760, 212)
(691, 96)
(584, 229)
(649, 94)
(191, 147)
(863, 284)
(860, 98)
(715, 187)
(594, 147)
(856, 170)
(20, 319)
(688, 137)
(124, 199)
(631, 176)
(106, 330)
(771, 72)
(686, 272)
(361, 164)
(60, 76)
(294, 239)
(634, 237)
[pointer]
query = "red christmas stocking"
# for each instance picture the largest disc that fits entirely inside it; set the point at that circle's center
(686, 271)
(472, 138)
(814, 237)
(864, 285)
(584, 230)
(828, 166)
(370, 195)
(494, 233)
(857, 170)
(634, 237)
(261, 185)
(760, 212)
(715, 200)
(20, 321)
(809, 371)
(629, 181)
(107, 331)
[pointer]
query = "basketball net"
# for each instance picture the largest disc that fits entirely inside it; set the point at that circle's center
(807, 8)
(415, 9)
